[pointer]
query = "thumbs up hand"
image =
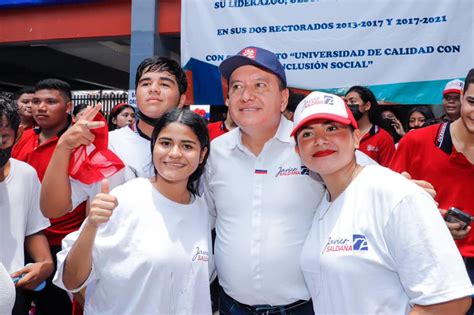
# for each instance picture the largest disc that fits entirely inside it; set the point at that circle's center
(102, 206)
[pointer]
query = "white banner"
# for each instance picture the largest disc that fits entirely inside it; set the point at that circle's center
(404, 50)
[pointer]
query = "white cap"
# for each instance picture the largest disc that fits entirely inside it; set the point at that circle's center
(320, 105)
(454, 86)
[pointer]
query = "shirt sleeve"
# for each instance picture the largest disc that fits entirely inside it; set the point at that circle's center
(387, 150)
(36, 221)
(80, 192)
(206, 190)
(402, 157)
(67, 244)
(427, 260)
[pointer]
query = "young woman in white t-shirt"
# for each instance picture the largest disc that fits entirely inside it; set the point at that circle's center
(145, 246)
(378, 244)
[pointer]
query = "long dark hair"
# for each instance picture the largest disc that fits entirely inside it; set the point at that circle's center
(424, 110)
(375, 114)
(199, 126)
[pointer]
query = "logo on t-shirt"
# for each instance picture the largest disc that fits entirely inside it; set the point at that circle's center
(289, 171)
(201, 255)
(372, 148)
(358, 243)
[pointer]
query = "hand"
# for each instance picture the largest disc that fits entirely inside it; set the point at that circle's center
(102, 206)
(398, 127)
(423, 184)
(33, 274)
(456, 228)
(80, 133)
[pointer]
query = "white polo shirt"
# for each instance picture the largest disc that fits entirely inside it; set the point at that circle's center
(380, 248)
(135, 153)
(264, 207)
(20, 214)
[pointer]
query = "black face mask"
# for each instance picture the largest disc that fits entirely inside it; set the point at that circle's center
(145, 118)
(5, 155)
(355, 111)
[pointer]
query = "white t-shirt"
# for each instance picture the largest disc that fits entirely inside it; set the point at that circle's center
(152, 257)
(135, 153)
(380, 248)
(20, 214)
(7, 292)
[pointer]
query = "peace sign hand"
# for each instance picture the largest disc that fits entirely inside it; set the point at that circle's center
(80, 133)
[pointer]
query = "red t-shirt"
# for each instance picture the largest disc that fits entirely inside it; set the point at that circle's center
(30, 151)
(428, 154)
(216, 129)
(379, 145)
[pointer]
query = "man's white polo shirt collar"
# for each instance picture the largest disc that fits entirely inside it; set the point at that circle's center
(282, 134)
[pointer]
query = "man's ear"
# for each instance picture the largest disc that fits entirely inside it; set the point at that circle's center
(182, 100)
(285, 94)
(69, 107)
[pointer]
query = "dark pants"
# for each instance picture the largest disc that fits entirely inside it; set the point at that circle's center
(469, 261)
(229, 306)
(49, 301)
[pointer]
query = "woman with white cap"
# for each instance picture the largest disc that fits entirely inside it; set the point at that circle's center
(377, 243)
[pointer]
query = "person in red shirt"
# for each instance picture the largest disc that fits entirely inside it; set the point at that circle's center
(452, 100)
(51, 108)
(221, 127)
(443, 154)
(376, 142)
(23, 99)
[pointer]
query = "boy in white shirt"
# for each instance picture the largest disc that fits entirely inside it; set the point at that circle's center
(21, 222)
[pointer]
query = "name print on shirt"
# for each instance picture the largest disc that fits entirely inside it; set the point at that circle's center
(303, 170)
(359, 243)
(201, 255)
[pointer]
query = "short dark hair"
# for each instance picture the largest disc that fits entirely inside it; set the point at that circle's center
(55, 84)
(199, 126)
(469, 80)
(79, 108)
(9, 110)
(24, 90)
(162, 64)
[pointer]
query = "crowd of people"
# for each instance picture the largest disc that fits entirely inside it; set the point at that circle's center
(304, 195)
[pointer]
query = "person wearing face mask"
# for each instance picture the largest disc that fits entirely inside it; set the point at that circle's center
(21, 223)
(376, 142)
